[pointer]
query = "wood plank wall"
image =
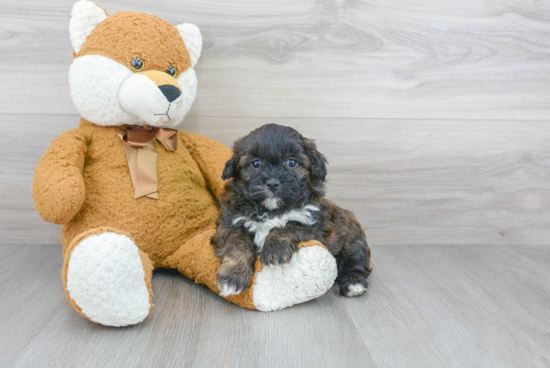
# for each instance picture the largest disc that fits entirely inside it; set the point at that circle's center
(434, 114)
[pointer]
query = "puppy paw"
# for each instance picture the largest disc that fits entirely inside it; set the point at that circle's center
(233, 278)
(354, 287)
(276, 251)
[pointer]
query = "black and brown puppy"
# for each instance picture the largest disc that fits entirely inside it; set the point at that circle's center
(274, 201)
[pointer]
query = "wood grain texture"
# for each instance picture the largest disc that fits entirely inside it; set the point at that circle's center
(433, 59)
(452, 182)
(452, 306)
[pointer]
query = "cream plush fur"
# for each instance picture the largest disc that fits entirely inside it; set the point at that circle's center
(106, 279)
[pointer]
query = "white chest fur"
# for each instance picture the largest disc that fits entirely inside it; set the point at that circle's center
(262, 228)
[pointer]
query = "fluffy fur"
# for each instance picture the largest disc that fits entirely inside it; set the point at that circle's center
(274, 201)
(261, 228)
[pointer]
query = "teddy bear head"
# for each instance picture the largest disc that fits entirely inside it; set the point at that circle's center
(132, 68)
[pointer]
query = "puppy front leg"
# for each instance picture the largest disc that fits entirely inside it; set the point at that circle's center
(278, 247)
(237, 253)
(281, 243)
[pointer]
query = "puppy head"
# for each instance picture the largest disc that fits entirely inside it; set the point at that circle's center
(276, 168)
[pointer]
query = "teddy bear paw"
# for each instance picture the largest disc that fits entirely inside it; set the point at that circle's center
(309, 274)
(106, 280)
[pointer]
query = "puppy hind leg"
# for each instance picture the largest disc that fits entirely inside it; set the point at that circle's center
(354, 268)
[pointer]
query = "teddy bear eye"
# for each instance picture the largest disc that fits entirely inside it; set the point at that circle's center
(256, 164)
(172, 71)
(292, 163)
(137, 64)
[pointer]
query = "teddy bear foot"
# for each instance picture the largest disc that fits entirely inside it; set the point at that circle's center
(310, 273)
(107, 280)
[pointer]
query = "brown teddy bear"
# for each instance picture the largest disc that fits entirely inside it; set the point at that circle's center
(134, 194)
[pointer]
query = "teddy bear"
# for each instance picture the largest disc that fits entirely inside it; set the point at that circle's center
(134, 194)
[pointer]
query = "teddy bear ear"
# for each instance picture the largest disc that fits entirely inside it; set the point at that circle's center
(84, 18)
(193, 40)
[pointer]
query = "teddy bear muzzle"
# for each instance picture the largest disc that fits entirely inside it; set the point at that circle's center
(154, 97)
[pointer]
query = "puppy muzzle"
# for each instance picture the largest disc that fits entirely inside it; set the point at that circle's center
(154, 97)
(268, 195)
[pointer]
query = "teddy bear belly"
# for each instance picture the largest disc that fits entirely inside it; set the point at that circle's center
(158, 226)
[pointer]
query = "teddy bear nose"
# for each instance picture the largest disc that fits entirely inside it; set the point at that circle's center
(170, 92)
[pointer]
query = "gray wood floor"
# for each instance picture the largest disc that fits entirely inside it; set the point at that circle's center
(427, 306)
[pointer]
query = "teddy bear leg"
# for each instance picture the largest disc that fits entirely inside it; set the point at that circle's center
(310, 273)
(107, 278)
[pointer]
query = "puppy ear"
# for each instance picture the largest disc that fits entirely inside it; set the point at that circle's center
(231, 170)
(318, 162)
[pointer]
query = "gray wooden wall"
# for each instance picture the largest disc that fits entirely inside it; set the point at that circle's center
(434, 114)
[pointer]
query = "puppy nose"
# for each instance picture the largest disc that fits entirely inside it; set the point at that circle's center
(273, 184)
(170, 92)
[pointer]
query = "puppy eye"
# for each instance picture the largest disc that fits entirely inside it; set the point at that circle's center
(137, 64)
(256, 164)
(172, 71)
(292, 163)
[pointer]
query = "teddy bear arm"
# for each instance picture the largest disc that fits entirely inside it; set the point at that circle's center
(210, 156)
(58, 186)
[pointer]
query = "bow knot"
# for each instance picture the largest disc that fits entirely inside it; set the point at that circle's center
(141, 153)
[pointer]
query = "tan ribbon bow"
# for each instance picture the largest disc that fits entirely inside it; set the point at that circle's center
(141, 153)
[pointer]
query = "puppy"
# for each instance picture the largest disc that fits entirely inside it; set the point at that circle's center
(274, 201)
